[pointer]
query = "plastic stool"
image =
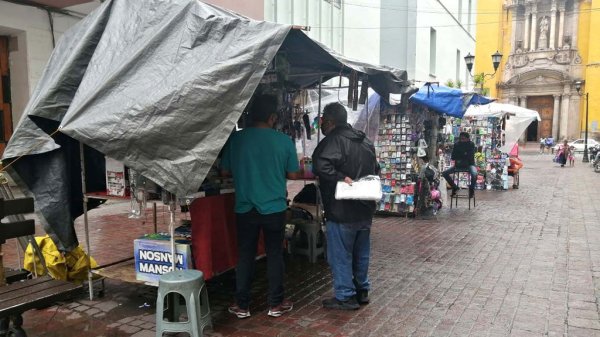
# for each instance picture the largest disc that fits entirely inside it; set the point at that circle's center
(312, 230)
(189, 284)
(455, 175)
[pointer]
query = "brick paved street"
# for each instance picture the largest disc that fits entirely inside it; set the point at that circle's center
(524, 262)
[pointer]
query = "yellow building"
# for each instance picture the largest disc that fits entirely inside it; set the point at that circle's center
(548, 47)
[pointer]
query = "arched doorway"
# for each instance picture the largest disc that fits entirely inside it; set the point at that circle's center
(532, 132)
(544, 105)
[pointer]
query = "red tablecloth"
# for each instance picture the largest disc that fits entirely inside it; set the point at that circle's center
(214, 243)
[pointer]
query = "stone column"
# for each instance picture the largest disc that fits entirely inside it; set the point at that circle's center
(555, 117)
(561, 26)
(527, 25)
(575, 25)
(552, 44)
(512, 100)
(523, 104)
(523, 101)
(564, 117)
(534, 24)
(574, 130)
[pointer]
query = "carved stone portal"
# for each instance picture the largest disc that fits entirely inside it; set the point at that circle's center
(563, 57)
(520, 60)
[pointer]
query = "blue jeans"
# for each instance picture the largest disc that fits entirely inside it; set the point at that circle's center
(348, 251)
(472, 170)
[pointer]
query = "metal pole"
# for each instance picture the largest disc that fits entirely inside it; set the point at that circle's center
(367, 106)
(172, 208)
(318, 210)
(319, 111)
(585, 148)
(154, 220)
(85, 222)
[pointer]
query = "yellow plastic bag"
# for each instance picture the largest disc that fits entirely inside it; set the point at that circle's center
(71, 266)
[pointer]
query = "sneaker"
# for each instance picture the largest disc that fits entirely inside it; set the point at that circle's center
(239, 312)
(454, 190)
(362, 296)
(334, 303)
(281, 309)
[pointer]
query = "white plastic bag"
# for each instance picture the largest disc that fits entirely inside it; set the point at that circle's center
(366, 188)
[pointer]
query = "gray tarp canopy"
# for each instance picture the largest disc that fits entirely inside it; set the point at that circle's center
(158, 85)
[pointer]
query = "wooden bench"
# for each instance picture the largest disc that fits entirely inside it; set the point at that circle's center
(24, 295)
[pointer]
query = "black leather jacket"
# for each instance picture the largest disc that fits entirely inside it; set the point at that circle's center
(345, 152)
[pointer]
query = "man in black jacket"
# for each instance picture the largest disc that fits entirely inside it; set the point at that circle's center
(463, 155)
(345, 154)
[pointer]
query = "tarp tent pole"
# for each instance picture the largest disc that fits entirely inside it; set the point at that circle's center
(318, 208)
(319, 111)
(367, 103)
(172, 207)
(85, 222)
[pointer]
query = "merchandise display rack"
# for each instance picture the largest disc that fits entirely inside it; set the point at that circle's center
(492, 165)
(397, 173)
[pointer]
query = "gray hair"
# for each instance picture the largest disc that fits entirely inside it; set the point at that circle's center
(336, 113)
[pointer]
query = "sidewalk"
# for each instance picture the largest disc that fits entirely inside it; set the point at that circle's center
(524, 262)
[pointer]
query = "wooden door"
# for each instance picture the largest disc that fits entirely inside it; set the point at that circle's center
(545, 106)
(5, 107)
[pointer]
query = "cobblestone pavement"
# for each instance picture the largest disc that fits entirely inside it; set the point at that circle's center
(524, 262)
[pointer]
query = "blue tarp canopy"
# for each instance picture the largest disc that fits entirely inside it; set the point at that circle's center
(447, 101)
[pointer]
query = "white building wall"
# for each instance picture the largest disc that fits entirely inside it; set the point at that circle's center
(250, 8)
(452, 36)
(362, 30)
(348, 29)
(31, 46)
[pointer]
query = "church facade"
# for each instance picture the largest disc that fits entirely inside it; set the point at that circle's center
(548, 51)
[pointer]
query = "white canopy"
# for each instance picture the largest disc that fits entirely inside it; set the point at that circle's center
(517, 122)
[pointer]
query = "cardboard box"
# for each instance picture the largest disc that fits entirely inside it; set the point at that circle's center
(153, 258)
(115, 177)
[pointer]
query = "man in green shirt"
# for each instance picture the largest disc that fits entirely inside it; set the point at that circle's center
(260, 159)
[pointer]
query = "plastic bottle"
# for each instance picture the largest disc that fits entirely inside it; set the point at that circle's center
(308, 173)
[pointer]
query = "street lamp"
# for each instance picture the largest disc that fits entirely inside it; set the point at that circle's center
(578, 85)
(496, 58)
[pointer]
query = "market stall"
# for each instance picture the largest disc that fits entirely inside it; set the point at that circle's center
(496, 129)
(439, 105)
(160, 94)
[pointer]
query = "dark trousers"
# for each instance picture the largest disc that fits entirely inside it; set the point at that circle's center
(248, 229)
(471, 169)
